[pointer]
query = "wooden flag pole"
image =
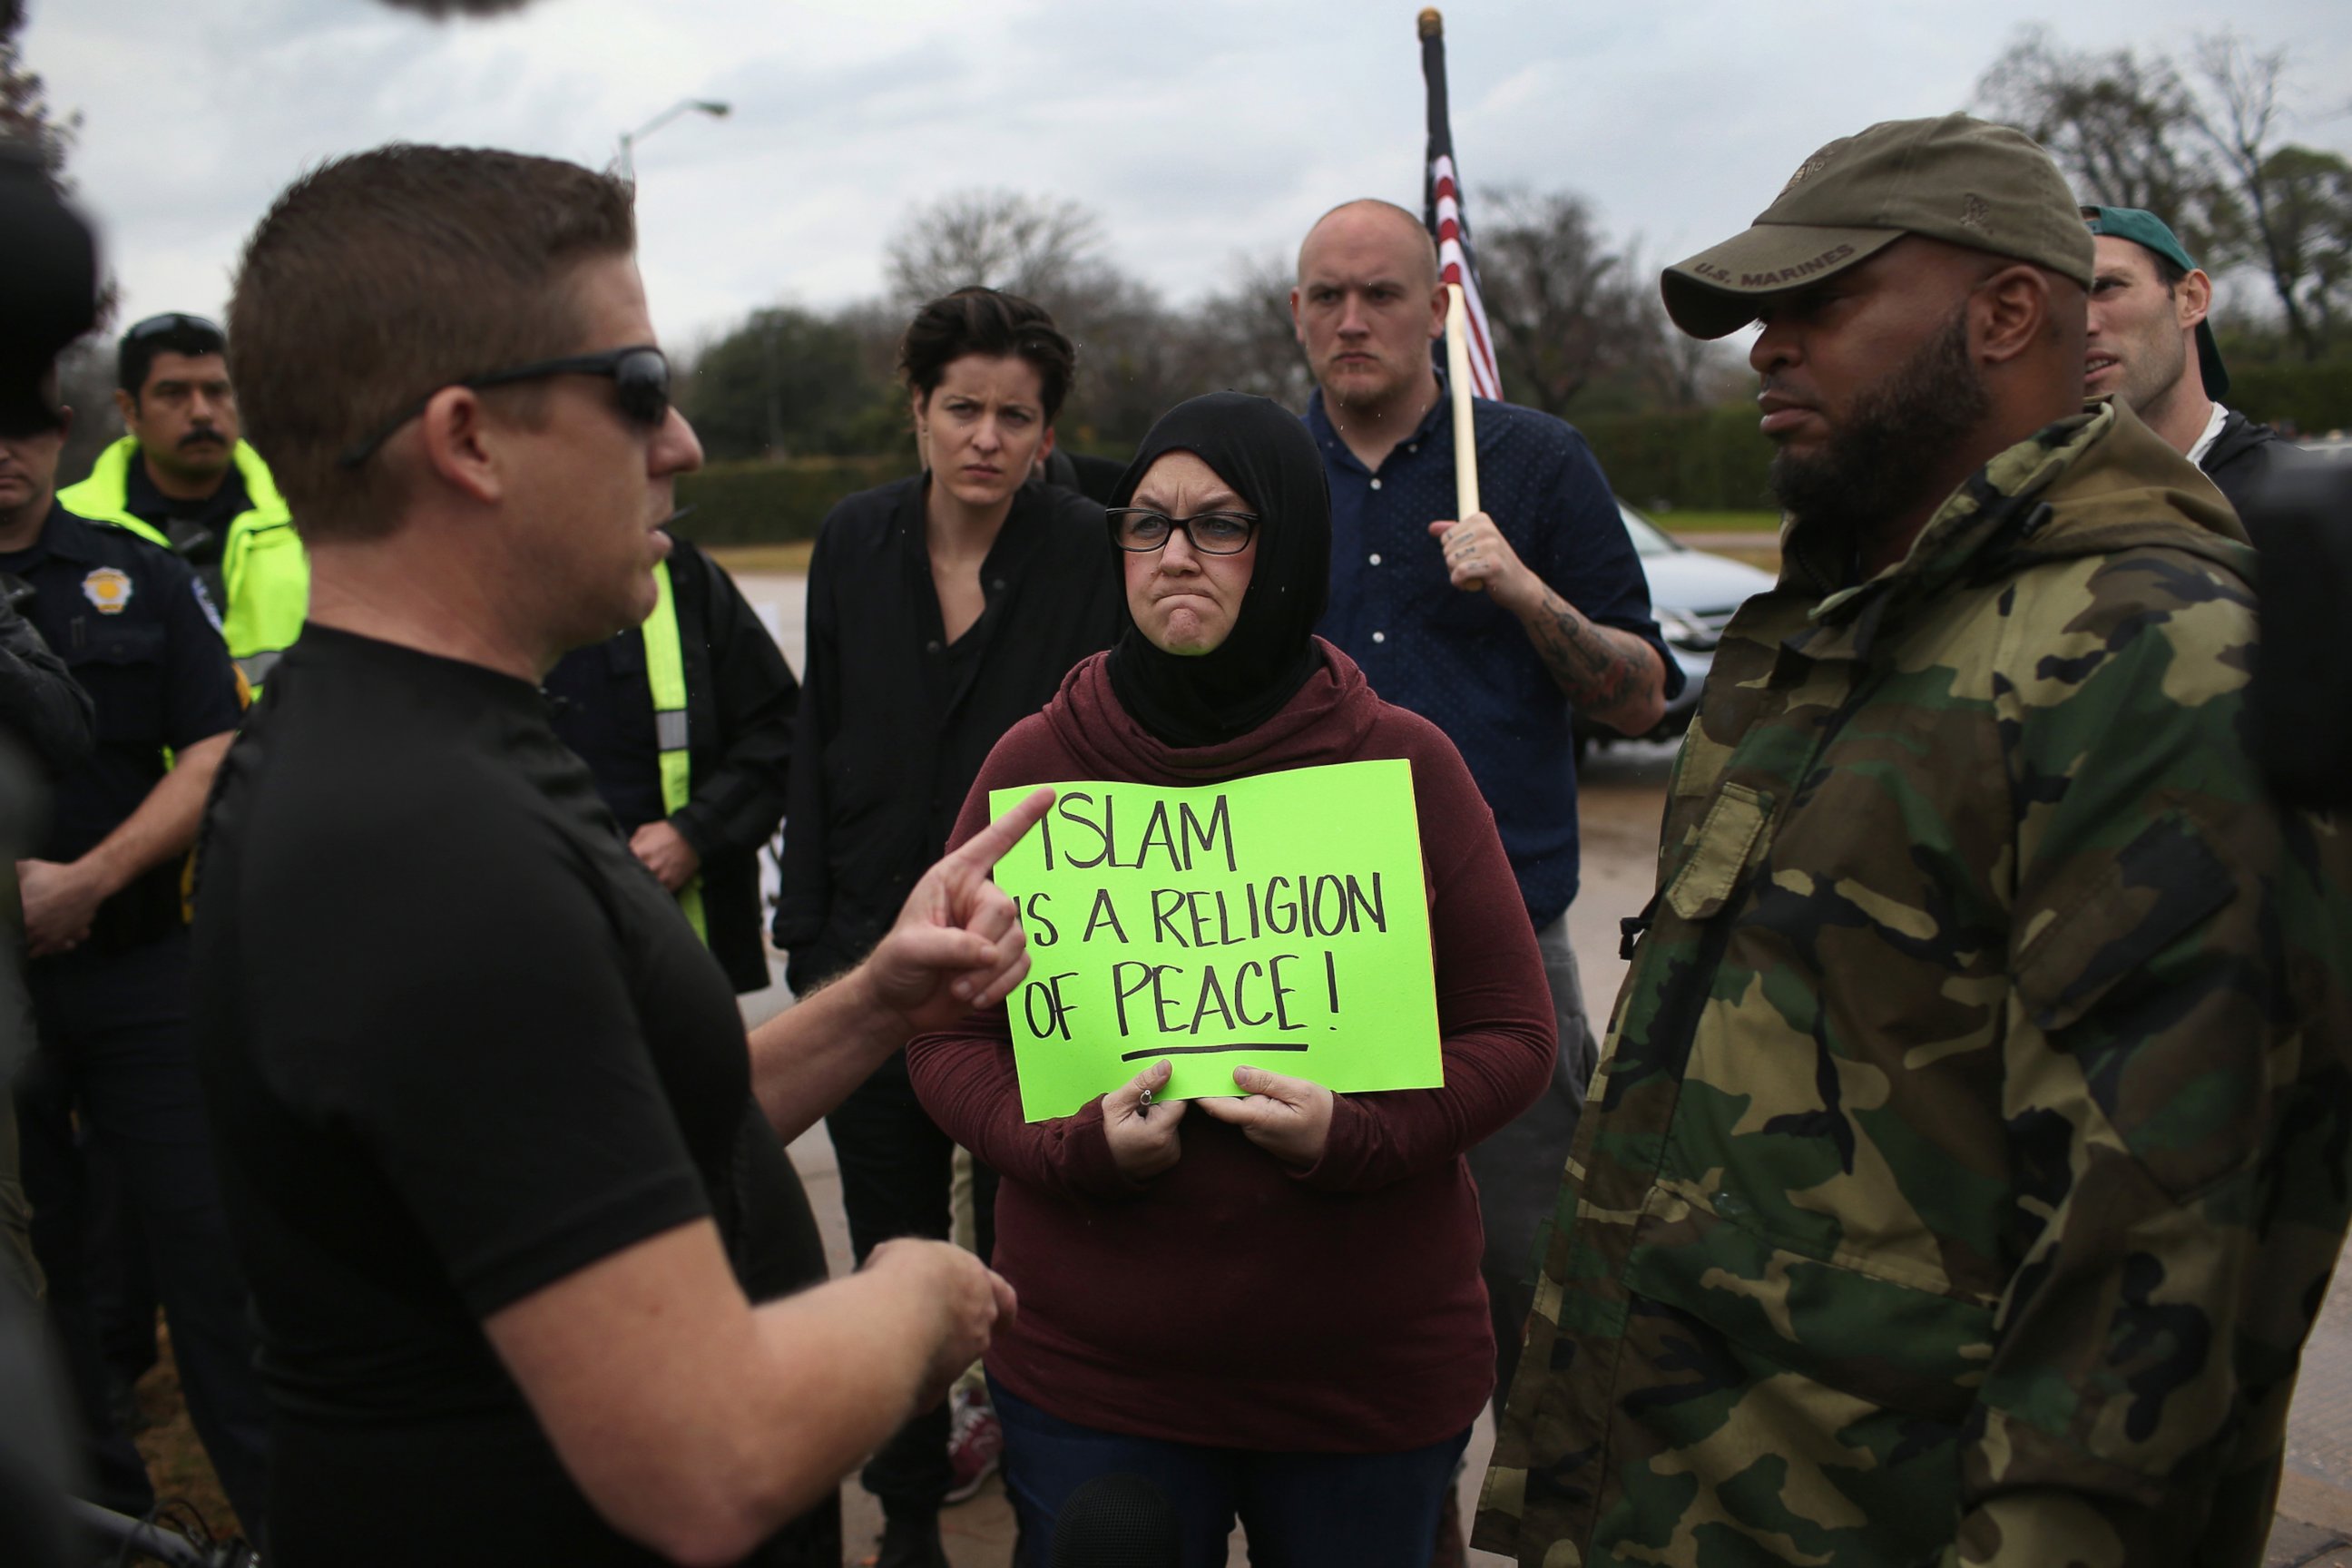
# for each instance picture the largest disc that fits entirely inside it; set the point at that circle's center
(1466, 435)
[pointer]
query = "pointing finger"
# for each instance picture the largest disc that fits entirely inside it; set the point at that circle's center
(984, 849)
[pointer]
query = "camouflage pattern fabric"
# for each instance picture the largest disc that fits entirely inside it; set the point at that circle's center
(1968, 1155)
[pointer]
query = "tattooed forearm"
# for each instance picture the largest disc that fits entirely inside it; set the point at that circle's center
(1607, 674)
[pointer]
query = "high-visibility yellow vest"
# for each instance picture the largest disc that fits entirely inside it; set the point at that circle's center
(265, 574)
(666, 674)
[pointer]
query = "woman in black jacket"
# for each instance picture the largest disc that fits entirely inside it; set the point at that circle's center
(942, 609)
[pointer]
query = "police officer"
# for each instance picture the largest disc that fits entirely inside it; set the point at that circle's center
(109, 950)
(687, 724)
(185, 480)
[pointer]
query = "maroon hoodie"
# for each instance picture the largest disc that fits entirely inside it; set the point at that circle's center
(1233, 1300)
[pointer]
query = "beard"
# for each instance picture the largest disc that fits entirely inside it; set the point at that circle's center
(1877, 466)
(2153, 378)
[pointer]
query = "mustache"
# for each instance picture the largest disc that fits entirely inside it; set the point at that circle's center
(203, 437)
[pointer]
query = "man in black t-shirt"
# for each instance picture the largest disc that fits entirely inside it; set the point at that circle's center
(506, 1177)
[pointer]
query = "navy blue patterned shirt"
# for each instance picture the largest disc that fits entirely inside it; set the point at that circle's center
(1458, 658)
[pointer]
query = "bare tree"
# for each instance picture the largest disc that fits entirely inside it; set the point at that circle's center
(2206, 152)
(1242, 337)
(1036, 247)
(25, 112)
(1565, 308)
(1677, 370)
(2286, 191)
(2126, 128)
(86, 386)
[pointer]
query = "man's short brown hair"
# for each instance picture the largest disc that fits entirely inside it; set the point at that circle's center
(377, 279)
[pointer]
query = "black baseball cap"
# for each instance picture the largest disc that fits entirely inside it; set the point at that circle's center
(2145, 230)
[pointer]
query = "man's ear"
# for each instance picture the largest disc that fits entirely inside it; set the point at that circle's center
(126, 404)
(1298, 325)
(1438, 302)
(2008, 313)
(459, 445)
(64, 419)
(2192, 296)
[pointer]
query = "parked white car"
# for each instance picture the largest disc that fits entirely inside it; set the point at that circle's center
(1693, 594)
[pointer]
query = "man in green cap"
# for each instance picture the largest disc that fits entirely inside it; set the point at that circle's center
(1964, 1164)
(2151, 346)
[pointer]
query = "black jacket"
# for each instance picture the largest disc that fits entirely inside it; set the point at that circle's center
(2243, 457)
(881, 777)
(739, 700)
(40, 705)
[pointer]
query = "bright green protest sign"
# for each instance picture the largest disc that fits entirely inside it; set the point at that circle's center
(1277, 922)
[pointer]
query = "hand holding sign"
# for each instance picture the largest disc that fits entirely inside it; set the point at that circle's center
(957, 945)
(1278, 915)
(1289, 1118)
(1141, 1130)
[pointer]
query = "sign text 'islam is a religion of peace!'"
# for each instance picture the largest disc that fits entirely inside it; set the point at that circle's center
(1278, 921)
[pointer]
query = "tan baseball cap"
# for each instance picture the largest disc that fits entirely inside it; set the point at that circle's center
(1959, 179)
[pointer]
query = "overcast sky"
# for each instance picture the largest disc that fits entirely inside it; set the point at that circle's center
(1198, 132)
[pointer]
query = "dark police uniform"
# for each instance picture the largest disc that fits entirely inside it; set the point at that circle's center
(137, 634)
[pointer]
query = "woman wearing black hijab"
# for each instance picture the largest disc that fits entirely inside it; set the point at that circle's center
(1268, 1306)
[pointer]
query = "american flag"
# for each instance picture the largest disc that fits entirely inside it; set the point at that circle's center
(1441, 205)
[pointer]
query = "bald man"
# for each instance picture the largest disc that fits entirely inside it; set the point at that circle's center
(1496, 627)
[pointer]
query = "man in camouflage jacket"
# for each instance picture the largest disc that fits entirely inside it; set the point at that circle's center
(1968, 1155)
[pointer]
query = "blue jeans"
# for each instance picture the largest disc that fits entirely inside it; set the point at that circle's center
(1300, 1511)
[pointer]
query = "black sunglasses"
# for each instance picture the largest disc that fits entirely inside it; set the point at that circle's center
(172, 322)
(640, 385)
(1139, 530)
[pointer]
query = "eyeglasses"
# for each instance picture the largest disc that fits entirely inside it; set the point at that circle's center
(1139, 531)
(640, 385)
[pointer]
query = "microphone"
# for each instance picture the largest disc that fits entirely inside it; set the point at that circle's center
(2302, 669)
(48, 282)
(1118, 1522)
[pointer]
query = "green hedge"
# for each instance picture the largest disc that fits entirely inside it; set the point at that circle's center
(2311, 397)
(1707, 459)
(1713, 460)
(775, 502)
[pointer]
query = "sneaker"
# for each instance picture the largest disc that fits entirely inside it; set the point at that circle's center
(975, 1442)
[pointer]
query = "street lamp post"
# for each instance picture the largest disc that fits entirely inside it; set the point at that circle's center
(628, 161)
